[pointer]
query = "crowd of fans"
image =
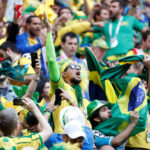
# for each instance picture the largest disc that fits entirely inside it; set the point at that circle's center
(46, 95)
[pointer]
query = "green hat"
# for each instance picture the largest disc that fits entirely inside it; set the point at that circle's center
(93, 106)
(100, 43)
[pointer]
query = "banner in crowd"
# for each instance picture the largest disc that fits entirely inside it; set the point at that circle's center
(101, 90)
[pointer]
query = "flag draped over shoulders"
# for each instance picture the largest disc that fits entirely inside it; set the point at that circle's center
(132, 94)
(132, 98)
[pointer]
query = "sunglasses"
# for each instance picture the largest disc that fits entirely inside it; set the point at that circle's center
(72, 67)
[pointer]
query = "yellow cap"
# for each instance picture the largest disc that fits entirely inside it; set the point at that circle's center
(100, 43)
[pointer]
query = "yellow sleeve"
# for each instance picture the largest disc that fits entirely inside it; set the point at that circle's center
(76, 28)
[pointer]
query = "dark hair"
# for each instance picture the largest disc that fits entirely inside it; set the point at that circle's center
(29, 19)
(40, 87)
(98, 11)
(10, 45)
(145, 35)
(64, 8)
(121, 4)
(92, 121)
(68, 34)
(57, 2)
(12, 31)
(31, 119)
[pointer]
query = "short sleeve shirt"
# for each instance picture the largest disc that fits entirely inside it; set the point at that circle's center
(125, 35)
(102, 140)
(34, 140)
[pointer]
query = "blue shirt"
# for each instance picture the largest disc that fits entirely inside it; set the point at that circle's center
(8, 92)
(23, 45)
(87, 143)
(102, 140)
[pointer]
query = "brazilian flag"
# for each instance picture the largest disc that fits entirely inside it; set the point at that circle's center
(120, 69)
(101, 90)
(132, 98)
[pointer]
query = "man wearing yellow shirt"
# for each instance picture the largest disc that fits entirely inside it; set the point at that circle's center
(68, 79)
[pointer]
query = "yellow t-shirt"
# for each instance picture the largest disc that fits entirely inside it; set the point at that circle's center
(7, 144)
(61, 83)
(33, 42)
(34, 140)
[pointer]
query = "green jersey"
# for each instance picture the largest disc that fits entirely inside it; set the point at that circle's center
(124, 36)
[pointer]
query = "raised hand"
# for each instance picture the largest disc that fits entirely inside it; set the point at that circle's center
(134, 117)
(37, 67)
(48, 25)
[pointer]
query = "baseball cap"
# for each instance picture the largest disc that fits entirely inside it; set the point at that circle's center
(74, 129)
(71, 113)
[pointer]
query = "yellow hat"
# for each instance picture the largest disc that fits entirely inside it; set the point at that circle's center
(100, 43)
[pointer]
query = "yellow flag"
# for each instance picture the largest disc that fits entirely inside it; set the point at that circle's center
(48, 10)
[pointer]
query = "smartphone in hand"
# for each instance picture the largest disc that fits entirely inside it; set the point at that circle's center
(17, 101)
(57, 96)
(34, 56)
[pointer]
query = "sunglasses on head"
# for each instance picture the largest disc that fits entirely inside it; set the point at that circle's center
(72, 66)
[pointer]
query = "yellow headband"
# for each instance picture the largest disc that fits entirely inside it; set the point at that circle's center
(64, 66)
(64, 63)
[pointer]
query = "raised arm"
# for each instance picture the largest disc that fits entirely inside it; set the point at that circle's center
(51, 56)
(124, 135)
(33, 84)
(46, 130)
(24, 48)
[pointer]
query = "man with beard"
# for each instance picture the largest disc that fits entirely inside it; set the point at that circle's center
(67, 77)
(119, 31)
(29, 42)
(9, 51)
(98, 112)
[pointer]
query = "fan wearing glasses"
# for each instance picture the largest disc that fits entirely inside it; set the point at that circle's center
(71, 74)
(67, 77)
